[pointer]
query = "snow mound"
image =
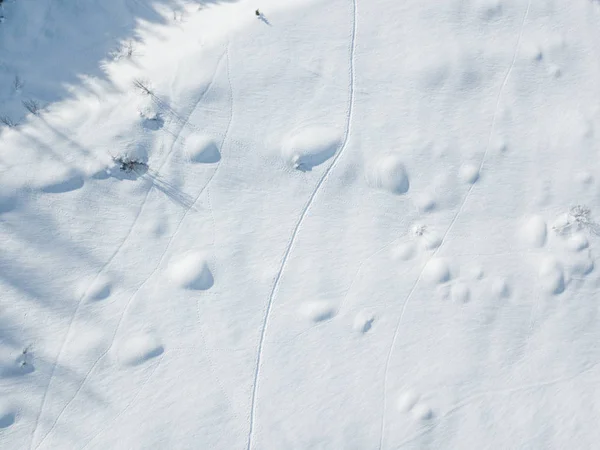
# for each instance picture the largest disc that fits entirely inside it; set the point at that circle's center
(437, 271)
(363, 321)
(192, 272)
(100, 288)
(202, 149)
(318, 310)
(551, 276)
(422, 411)
(138, 349)
(310, 147)
(62, 181)
(7, 414)
(461, 293)
(388, 173)
(534, 232)
(404, 251)
(407, 400)
(469, 173)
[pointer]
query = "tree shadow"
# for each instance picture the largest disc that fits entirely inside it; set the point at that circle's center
(47, 48)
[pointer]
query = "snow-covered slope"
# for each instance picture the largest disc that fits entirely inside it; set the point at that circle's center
(349, 224)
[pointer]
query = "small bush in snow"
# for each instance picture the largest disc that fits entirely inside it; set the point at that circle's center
(143, 86)
(129, 165)
(7, 121)
(17, 84)
(32, 106)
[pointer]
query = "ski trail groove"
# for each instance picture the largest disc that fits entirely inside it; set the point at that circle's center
(256, 377)
(111, 258)
(452, 222)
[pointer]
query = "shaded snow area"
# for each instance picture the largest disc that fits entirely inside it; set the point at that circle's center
(338, 224)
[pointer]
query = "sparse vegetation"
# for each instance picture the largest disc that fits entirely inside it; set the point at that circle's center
(17, 84)
(32, 106)
(7, 121)
(128, 165)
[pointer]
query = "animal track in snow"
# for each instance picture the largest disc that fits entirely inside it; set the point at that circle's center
(389, 174)
(534, 232)
(202, 149)
(138, 349)
(318, 310)
(310, 147)
(191, 272)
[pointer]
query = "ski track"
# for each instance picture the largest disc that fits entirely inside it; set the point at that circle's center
(507, 391)
(111, 258)
(133, 400)
(256, 377)
(414, 286)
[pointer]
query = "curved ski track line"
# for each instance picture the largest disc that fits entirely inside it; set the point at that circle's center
(297, 228)
(111, 258)
(415, 284)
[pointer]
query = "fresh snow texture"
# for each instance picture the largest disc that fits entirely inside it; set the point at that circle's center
(339, 224)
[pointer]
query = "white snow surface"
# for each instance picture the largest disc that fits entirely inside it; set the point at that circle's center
(343, 224)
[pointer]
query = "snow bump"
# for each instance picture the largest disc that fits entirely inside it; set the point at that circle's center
(310, 147)
(202, 149)
(389, 174)
(139, 348)
(191, 272)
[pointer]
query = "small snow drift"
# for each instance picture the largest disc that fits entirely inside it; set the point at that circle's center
(388, 173)
(202, 149)
(318, 310)
(469, 173)
(422, 412)
(437, 271)
(7, 415)
(403, 251)
(363, 322)
(100, 289)
(551, 276)
(151, 118)
(67, 181)
(192, 272)
(407, 400)
(460, 293)
(138, 349)
(534, 232)
(310, 147)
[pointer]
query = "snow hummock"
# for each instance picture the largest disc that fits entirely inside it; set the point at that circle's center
(310, 147)
(191, 271)
(202, 149)
(139, 348)
(389, 173)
